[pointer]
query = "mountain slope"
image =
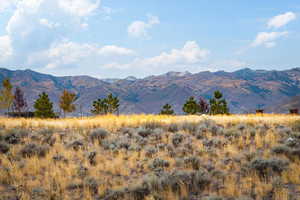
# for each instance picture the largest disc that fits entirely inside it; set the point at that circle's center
(245, 90)
(285, 106)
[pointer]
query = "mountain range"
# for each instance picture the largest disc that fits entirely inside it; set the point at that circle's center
(245, 90)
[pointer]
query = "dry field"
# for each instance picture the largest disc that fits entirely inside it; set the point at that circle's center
(150, 157)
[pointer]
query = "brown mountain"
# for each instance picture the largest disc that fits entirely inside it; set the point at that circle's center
(245, 90)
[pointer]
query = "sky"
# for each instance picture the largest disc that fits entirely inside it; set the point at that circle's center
(120, 38)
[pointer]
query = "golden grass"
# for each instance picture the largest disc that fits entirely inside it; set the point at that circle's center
(113, 122)
(118, 169)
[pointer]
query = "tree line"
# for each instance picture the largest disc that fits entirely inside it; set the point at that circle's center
(216, 105)
(14, 102)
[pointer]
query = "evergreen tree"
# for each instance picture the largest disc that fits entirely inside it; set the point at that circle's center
(167, 110)
(99, 107)
(218, 105)
(66, 102)
(43, 107)
(107, 105)
(6, 95)
(191, 107)
(203, 106)
(19, 102)
(112, 104)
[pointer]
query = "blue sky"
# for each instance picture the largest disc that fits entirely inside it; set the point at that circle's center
(119, 38)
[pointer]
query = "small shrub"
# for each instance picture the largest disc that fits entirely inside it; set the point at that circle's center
(161, 146)
(156, 134)
(92, 184)
(58, 158)
(141, 141)
(98, 134)
(74, 186)
(108, 144)
(82, 171)
(241, 127)
(46, 132)
(138, 192)
(215, 142)
(32, 149)
(296, 125)
(173, 127)
(158, 163)
(123, 143)
(177, 139)
(144, 132)
(135, 147)
(193, 161)
(76, 145)
(12, 138)
(282, 149)
(282, 130)
(152, 125)
(292, 142)
(263, 167)
(150, 151)
(92, 157)
(232, 133)
(213, 198)
(38, 193)
(49, 140)
(4, 147)
(190, 127)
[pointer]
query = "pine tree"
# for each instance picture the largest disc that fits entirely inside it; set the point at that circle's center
(203, 106)
(6, 95)
(112, 103)
(99, 107)
(218, 105)
(66, 102)
(43, 107)
(167, 110)
(19, 102)
(191, 107)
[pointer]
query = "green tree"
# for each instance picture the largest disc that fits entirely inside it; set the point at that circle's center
(191, 107)
(218, 105)
(6, 95)
(66, 102)
(99, 107)
(43, 107)
(112, 104)
(167, 110)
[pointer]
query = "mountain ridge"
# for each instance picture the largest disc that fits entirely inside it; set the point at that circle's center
(245, 89)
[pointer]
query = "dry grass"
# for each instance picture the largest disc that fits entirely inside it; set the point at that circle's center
(145, 157)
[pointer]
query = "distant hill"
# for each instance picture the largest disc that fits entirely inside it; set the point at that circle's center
(245, 90)
(285, 106)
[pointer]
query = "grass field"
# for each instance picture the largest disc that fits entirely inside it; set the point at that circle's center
(151, 157)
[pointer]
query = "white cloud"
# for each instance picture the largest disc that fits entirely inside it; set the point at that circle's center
(72, 53)
(141, 28)
(268, 39)
(190, 54)
(111, 50)
(281, 20)
(5, 48)
(47, 23)
(6, 4)
(26, 26)
(79, 7)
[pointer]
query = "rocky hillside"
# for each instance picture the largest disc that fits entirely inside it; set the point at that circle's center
(245, 90)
